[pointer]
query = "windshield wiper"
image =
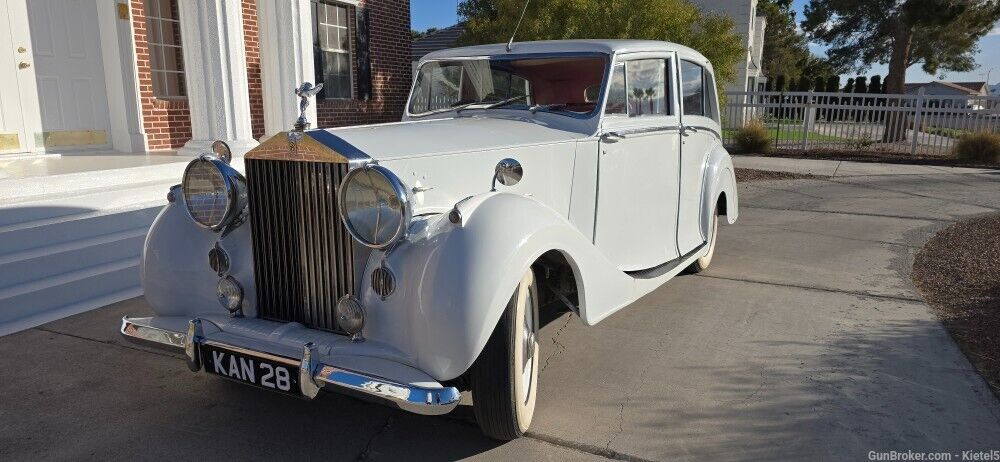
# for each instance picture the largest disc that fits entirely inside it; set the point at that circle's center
(487, 105)
(458, 107)
(506, 102)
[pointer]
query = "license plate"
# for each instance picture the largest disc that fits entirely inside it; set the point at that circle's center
(260, 372)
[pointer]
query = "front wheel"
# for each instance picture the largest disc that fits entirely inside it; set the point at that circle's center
(701, 264)
(505, 377)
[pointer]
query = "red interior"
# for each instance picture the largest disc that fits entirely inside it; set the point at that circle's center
(561, 80)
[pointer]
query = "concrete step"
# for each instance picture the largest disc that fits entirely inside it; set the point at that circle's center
(19, 242)
(43, 263)
(48, 187)
(71, 243)
(32, 303)
(36, 213)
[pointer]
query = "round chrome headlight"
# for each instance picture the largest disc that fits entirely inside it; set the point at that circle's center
(214, 193)
(374, 206)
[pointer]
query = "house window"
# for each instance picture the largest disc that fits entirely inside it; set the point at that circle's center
(166, 59)
(332, 49)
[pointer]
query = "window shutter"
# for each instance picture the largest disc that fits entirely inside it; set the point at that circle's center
(364, 56)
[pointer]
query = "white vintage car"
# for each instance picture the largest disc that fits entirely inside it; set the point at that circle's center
(406, 262)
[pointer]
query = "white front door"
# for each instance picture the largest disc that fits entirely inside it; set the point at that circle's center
(638, 166)
(14, 62)
(53, 62)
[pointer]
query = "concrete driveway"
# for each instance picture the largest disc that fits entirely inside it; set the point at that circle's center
(805, 339)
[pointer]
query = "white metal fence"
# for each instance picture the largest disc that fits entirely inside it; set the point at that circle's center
(919, 124)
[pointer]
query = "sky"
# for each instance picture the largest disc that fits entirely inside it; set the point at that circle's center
(442, 13)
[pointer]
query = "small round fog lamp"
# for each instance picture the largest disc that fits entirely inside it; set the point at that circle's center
(350, 315)
(230, 294)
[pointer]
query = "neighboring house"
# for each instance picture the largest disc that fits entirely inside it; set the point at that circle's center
(149, 75)
(751, 28)
(974, 91)
(438, 40)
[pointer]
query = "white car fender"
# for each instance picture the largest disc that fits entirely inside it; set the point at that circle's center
(174, 270)
(454, 279)
(720, 178)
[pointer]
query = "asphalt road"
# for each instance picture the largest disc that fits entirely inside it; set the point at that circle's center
(805, 339)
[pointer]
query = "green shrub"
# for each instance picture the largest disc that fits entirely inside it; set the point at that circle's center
(754, 138)
(979, 147)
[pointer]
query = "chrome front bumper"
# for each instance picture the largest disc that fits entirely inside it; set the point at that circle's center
(313, 376)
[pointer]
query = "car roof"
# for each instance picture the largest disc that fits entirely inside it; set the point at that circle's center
(566, 46)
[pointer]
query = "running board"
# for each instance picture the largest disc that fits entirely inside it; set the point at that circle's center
(660, 270)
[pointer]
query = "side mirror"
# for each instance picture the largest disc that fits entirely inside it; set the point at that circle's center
(508, 173)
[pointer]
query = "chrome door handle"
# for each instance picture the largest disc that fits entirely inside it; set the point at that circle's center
(612, 136)
(685, 129)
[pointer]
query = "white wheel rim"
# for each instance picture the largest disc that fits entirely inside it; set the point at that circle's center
(528, 350)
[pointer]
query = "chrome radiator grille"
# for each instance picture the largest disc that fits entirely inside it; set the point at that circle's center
(303, 255)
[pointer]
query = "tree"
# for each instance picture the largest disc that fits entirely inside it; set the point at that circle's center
(875, 84)
(779, 83)
(849, 87)
(859, 84)
(832, 84)
(784, 45)
(415, 34)
(819, 83)
(938, 34)
(805, 84)
(493, 21)
(786, 49)
(769, 85)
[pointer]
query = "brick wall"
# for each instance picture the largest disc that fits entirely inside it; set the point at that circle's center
(251, 37)
(389, 46)
(167, 122)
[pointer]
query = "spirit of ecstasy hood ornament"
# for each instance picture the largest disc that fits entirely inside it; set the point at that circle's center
(304, 92)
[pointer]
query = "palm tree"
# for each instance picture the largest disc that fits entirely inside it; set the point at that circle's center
(637, 93)
(649, 95)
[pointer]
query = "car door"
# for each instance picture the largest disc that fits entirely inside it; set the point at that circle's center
(638, 164)
(699, 130)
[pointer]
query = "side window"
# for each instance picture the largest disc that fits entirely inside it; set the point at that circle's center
(693, 87)
(647, 93)
(713, 99)
(616, 94)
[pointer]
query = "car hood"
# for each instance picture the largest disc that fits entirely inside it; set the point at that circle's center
(435, 137)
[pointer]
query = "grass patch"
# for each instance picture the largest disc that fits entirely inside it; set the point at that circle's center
(788, 135)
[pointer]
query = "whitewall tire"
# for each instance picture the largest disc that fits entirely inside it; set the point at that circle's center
(701, 264)
(505, 376)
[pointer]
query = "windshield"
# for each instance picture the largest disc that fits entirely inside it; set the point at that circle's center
(569, 85)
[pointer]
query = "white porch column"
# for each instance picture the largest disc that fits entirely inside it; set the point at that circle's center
(121, 78)
(286, 60)
(215, 67)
